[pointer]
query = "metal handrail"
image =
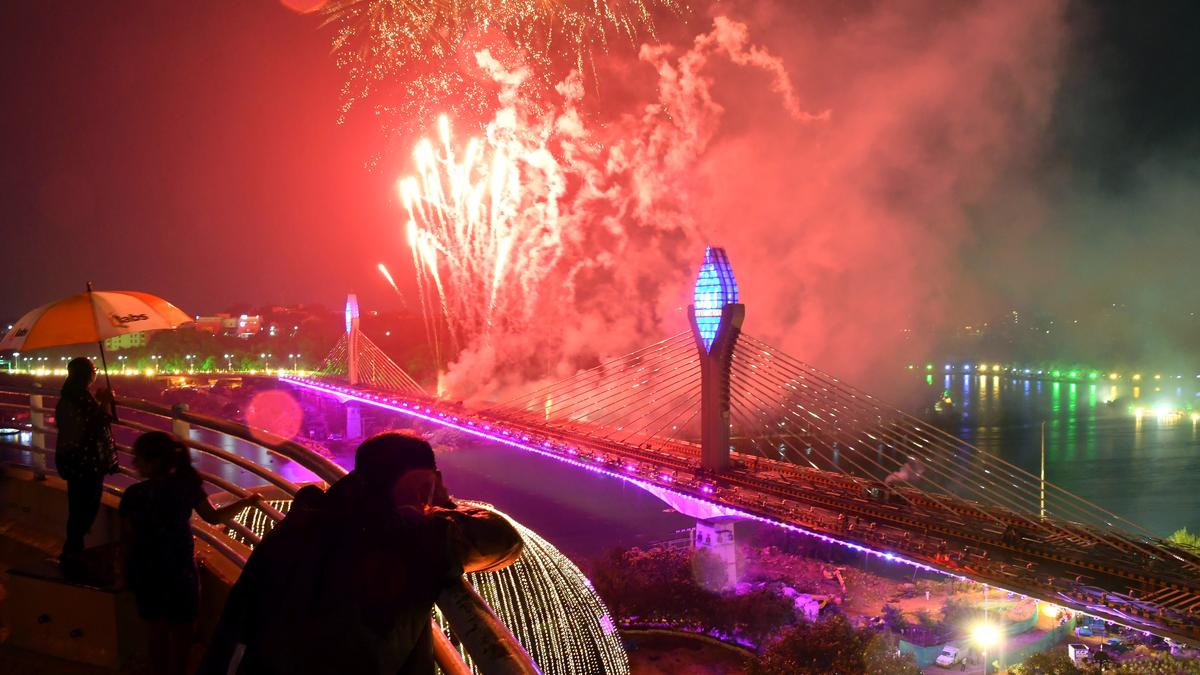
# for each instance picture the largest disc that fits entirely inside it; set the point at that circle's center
(491, 646)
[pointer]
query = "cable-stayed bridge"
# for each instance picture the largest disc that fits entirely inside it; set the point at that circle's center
(723, 426)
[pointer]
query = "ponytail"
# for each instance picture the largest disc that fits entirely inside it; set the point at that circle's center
(181, 461)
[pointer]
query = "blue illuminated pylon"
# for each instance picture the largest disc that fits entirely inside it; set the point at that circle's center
(716, 317)
(715, 288)
(352, 338)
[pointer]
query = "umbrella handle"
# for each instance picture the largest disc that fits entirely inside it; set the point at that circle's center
(112, 399)
(103, 361)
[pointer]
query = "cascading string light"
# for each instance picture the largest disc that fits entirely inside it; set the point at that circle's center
(543, 598)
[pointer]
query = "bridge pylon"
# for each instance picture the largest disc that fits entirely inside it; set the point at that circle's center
(716, 317)
(357, 361)
(352, 339)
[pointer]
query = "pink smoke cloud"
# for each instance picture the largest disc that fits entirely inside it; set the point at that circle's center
(838, 163)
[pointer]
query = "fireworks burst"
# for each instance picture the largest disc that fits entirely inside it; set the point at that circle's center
(481, 221)
(530, 241)
(383, 42)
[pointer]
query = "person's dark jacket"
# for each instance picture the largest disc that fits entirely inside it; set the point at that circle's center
(84, 446)
(346, 584)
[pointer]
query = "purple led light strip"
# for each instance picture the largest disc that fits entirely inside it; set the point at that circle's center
(426, 413)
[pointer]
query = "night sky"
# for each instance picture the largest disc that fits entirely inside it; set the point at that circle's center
(192, 149)
(185, 148)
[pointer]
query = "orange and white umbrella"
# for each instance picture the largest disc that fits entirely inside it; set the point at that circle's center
(92, 316)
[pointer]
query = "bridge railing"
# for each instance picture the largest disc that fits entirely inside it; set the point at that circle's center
(229, 475)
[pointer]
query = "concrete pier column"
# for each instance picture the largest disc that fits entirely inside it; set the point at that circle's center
(38, 419)
(716, 537)
(354, 425)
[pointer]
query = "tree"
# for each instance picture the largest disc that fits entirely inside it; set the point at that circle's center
(757, 615)
(1158, 664)
(709, 570)
(653, 585)
(893, 619)
(957, 614)
(831, 647)
(882, 657)
(1185, 539)
(1047, 663)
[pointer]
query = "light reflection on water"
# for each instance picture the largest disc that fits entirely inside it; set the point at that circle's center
(1145, 468)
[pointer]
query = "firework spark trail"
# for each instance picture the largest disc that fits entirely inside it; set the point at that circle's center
(380, 43)
(498, 242)
(388, 275)
(467, 215)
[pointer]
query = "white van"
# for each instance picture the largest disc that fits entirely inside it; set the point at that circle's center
(1077, 652)
(948, 657)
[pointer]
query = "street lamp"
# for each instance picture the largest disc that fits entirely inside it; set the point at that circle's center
(986, 636)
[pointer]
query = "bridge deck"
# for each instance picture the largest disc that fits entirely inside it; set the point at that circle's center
(1125, 578)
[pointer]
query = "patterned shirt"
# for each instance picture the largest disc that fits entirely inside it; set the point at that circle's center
(84, 447)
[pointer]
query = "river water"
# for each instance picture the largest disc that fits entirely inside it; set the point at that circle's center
(1144, 467)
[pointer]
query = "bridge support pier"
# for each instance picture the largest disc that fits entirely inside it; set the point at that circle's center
(354, 425)
(718, 569)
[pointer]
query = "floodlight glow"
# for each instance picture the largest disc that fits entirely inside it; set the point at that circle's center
(986, 635)
(715, 288)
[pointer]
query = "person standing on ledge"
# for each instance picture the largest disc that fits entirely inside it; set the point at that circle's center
(159, 553)
(84, 453)
(347, 581)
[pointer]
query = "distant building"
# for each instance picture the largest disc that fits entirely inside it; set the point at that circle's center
(211, 324)
(242, 325)
(127, 341)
